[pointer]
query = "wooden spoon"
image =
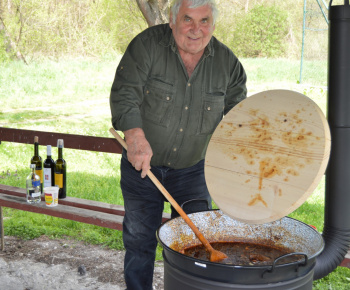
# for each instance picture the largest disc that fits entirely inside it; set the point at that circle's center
(215, 256)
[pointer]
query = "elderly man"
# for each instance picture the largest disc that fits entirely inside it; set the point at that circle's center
(172, 87)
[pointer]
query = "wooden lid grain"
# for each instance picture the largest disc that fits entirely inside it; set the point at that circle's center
(267, 156)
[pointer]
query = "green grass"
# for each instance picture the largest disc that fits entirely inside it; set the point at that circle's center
(339, 279)
(276, 72)
(72, 96)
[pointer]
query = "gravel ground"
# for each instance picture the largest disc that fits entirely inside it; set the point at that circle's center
(45, 264)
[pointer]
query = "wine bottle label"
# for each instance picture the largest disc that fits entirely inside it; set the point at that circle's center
(59, 180)
(47, 177)
(40, 173)
(36, 183)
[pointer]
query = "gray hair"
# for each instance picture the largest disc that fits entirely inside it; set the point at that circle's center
(194, 4)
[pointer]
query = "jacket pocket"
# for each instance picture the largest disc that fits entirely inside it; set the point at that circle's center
(158, 102)
(212, 112)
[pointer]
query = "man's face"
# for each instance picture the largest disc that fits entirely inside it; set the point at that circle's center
(193, 28)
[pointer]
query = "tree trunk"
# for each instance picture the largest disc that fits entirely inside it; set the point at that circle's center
(154, 11)
(12, 47)
(247, 6)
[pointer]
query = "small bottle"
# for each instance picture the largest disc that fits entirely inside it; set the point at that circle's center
(33, 186)
(36, 159)
(60, 171)
(49, 169)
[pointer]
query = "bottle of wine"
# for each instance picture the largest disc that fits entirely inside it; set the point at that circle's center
(49, 169)
(60, 171)
(33, 186)
(36, 159)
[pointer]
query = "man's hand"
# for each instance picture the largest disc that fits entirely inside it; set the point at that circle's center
(139, 150)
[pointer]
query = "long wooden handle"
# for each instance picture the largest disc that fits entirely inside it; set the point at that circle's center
(168, 197)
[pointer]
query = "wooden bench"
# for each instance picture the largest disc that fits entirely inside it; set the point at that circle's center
(76, 209)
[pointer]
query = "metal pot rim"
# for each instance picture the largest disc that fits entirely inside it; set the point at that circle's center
(314, 254)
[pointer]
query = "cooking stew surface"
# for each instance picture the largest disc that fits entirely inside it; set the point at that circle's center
(243, 254)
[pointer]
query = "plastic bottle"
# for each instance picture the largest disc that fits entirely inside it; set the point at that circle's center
(33, 186)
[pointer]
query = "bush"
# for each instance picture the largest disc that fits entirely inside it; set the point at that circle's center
(261, 32)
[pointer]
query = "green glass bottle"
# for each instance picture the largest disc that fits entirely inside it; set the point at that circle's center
(60, 171)
(37, 160)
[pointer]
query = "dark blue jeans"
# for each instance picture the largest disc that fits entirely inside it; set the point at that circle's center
(144, 205)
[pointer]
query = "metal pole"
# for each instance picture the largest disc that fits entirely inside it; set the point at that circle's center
(324, 14)
(302, 45)
(336, 232)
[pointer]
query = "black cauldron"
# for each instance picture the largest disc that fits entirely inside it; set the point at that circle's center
(183, 272)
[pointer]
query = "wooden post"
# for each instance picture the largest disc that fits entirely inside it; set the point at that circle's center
(2, 230)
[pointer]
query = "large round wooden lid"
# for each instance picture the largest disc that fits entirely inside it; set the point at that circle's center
(267, 156)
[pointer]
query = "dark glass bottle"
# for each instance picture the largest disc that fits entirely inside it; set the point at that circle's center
(60, 171)
(49, 169)
(37, 160)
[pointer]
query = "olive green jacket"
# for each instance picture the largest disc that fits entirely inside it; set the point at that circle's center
(178, 114)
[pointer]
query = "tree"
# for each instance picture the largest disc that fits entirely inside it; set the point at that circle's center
(154, 11)
(9, 43)
(11, 46)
